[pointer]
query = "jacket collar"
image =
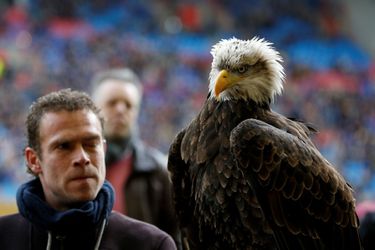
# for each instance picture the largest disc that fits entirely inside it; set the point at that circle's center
(145, 158)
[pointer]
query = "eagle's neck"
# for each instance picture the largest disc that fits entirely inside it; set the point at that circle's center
(244, 106)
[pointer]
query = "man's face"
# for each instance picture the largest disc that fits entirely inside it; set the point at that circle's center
(71, 167)
(119, 103)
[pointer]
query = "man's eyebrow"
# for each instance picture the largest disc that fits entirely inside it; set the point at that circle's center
(58, 141)
(90, 137)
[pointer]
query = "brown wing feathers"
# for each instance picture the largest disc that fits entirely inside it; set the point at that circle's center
(293, 177)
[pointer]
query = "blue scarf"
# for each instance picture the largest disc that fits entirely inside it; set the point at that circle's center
(32, 205)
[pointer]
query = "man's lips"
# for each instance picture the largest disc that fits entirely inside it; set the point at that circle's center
(82, 177)
(117, 122)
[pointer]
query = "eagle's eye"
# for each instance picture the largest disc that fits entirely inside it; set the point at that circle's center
(242, 69)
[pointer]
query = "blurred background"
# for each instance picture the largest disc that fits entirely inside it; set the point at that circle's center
(328, 48)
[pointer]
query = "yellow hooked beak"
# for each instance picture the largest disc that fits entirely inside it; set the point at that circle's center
(224, 81)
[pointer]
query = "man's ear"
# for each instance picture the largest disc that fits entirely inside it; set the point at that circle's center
(32, 161)
(105, 145)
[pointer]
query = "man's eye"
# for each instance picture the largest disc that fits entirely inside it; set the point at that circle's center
(111, 103)
(91, 145)
(63, 146)
(242, 69)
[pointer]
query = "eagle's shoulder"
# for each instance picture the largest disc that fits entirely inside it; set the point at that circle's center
(302, 193)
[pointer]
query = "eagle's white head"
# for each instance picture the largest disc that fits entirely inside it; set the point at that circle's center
(248, 69)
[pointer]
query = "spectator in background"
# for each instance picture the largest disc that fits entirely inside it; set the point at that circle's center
(137, 172)
(367, 231)
(68, 205)
(366, 214)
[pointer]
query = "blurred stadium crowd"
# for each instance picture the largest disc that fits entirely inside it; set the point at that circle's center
(50, 44)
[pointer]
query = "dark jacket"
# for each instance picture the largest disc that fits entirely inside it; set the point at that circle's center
(367, 230)
(148, 189)
(121, 232)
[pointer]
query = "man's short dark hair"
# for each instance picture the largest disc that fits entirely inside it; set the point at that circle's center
(65, 99)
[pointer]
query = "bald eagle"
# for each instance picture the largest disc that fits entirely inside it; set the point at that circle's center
(246, 177)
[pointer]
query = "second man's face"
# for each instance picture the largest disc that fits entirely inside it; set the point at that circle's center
(119, 103)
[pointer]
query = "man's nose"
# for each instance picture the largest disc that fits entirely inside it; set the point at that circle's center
(121, 107)
(81, 157)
